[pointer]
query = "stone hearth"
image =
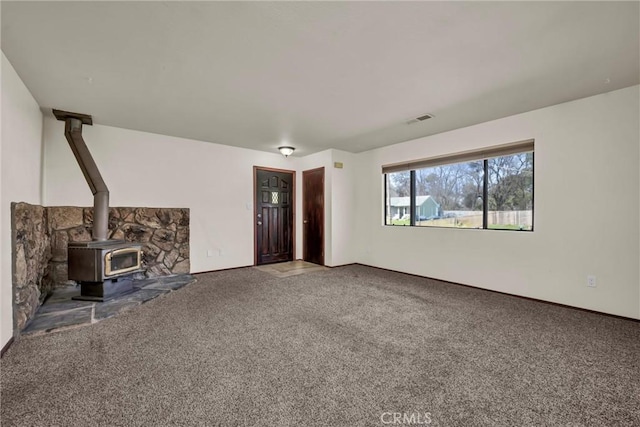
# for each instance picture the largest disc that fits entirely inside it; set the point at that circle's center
(60, 311)
(41, 235)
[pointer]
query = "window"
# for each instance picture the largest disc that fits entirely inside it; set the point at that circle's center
(488, 189)
(510, 192)
(450, 195)
(398, 210)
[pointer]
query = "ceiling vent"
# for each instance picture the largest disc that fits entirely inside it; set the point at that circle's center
(420, 119)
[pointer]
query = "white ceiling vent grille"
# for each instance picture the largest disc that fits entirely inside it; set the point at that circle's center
(420, 119)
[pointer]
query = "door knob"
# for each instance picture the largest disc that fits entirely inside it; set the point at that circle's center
(305, 221)
(259, 222)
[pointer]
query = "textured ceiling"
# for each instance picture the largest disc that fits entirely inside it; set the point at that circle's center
(316, 75)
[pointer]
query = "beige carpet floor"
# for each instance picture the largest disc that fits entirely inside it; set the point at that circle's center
(350, 346)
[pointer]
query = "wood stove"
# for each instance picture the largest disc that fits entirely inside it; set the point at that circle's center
(103, 267)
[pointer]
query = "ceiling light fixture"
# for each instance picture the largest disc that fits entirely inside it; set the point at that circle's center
(286, 151)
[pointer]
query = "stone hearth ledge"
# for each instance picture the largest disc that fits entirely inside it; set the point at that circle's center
(59, 312)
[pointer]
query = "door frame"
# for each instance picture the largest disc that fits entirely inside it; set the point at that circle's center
(255, 203)
(324, 213)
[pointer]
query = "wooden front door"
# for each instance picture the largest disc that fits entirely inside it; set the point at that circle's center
(274, 215)
(313, 215)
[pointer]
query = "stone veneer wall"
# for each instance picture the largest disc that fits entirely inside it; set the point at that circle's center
(41, 235)
(31, 254)
(163, 232)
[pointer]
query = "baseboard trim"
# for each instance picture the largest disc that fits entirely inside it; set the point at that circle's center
(451, 283)
(222, 269)
(506, 293)
(345, 265)
(6, 346)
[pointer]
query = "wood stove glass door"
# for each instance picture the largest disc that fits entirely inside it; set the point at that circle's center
(274, 216)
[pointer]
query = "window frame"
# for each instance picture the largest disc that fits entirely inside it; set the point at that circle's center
(521, 147)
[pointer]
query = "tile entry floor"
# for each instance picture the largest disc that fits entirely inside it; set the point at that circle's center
(291, 268)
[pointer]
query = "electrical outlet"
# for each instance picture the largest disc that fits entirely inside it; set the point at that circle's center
(591, 281)
(220, 253)
(210, 252)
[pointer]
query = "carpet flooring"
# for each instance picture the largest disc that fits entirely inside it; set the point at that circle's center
(350, 346)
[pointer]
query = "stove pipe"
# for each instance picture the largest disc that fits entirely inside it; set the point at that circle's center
(73, 132)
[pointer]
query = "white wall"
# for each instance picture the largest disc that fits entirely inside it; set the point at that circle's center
(343, 208)
(21, 175)
(143, 169)
(586, 158)
(214, 181)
